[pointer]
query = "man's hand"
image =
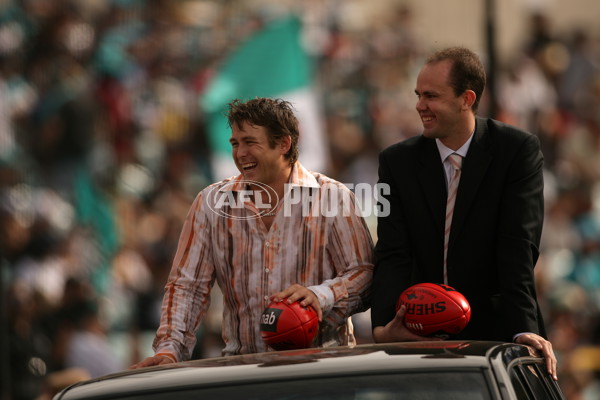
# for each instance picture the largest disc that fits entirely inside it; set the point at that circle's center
(544, 347)
(299, 293)
(396, 331)
(154, 360)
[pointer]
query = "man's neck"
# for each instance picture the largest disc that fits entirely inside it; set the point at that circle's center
(277, 185)
(458, 138)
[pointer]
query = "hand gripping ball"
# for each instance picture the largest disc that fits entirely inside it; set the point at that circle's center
(434, 309)
(288, 326)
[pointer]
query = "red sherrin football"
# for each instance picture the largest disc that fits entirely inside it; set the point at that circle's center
(288, 326)
(433, 308)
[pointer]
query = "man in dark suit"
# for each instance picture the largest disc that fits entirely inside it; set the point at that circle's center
(487, 247)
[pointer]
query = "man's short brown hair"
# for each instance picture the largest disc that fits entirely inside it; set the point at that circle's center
(276, 115)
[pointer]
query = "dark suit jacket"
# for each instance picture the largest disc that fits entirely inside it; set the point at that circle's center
(495, 234)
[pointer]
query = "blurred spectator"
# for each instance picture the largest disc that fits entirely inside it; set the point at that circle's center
(87, 346)
(54, 382)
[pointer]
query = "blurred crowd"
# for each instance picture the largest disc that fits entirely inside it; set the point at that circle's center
(103, 148)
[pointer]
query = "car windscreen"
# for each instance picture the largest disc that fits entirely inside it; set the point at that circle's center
(459, 385)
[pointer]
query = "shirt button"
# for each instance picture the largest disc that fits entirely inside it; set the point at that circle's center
(267, 244)
(267, 270)
(266, 298)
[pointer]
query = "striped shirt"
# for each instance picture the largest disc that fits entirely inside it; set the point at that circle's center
(317, 240)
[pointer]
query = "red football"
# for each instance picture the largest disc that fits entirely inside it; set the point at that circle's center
(288, 326)
(433, 308)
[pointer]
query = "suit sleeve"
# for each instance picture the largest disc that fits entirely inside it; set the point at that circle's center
(519, 235)
(393, 261)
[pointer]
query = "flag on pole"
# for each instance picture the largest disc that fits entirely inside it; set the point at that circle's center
(270, 63)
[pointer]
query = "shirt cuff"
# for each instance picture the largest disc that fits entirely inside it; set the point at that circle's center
(169, 349)
(519, 334)
(325, 296)
(170, 355)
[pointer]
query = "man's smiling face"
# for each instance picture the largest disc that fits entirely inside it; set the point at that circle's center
(254, 156)
(437, 104)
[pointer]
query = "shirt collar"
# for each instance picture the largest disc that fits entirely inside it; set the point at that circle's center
(300, 176)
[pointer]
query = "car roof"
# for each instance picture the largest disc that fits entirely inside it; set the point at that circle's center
(305, 363)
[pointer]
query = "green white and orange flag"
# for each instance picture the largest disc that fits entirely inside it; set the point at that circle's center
(270, 63)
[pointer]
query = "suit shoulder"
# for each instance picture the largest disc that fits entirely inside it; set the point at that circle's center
(508, 141)
(506, 131)
(403, 147)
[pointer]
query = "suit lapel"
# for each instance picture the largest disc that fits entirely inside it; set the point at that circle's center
(431, 177)
(473, 171)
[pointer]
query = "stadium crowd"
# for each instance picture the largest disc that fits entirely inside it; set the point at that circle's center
(103, 148)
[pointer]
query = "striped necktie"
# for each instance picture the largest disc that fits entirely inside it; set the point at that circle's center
(456, 161)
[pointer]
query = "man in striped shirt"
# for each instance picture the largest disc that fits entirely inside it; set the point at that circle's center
(276, 232)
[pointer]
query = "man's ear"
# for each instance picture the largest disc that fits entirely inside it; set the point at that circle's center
(469, 98)
(285, 143)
